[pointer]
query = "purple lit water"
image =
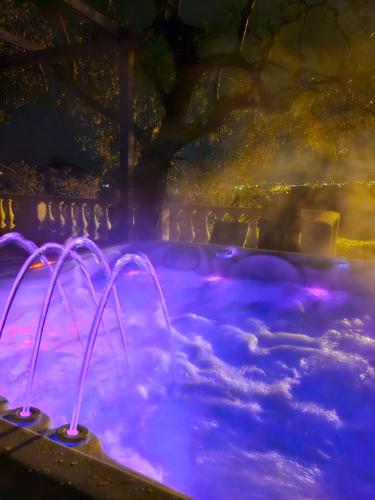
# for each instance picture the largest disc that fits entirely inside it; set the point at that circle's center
(274, 388)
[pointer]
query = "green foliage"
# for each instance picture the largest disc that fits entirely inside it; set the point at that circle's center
(319, 85)
(355, 249)
(21, 178)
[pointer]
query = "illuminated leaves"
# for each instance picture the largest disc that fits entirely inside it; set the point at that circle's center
(308, 76)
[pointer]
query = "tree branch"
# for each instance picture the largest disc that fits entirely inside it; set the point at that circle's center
(109, 113)
(156, 80)
(75, 88)
(167, 8)
(25, 44)
(93, 15)
(72, 86)
(57, 54)
(246, 15)
(63, 28)
(223, 107)
(235, 60)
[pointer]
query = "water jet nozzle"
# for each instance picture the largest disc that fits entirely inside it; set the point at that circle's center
(71, 436)
(19, 416)
(3, 403)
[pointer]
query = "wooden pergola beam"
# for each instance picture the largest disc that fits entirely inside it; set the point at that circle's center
(93, 15)
(57, 54)
(18, 41)
(123, 43)
(127, 136)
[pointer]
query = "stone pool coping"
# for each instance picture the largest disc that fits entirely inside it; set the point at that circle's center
(34, 466)
(337, 272)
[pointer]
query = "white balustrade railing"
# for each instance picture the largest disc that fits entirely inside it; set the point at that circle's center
(194, 223)
(42, 218)
(45, 217)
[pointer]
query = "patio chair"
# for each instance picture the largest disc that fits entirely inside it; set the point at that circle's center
(229, 233)
(319, 232)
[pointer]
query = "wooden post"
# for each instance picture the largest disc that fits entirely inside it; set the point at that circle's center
(125, 224)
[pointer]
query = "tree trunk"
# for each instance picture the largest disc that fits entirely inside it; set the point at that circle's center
(150, 182)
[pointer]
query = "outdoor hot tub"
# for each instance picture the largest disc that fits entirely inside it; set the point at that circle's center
(265, 388)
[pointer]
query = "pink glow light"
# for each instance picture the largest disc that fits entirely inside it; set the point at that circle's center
(25, 413)
(319, 293)
(214, 278)
(72, 432)
(133, 272)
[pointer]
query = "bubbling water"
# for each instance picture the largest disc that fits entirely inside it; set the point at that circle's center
(65, 252)
(261, 386)
(143, 263)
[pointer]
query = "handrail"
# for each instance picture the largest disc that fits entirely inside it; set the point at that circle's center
(44, 218)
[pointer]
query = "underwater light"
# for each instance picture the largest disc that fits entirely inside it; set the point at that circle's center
(22, 416)
(226, 253)
(319, 293)
(133, 272)
(214, 278)
(342, 264)
(40, 265)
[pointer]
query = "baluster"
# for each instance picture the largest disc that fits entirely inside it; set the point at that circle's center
(49, 227)
(102, 221)
(68, 225)
(185, 225)
(11, 214)
(49, 212)
(165, 224)
(211, 219)
(96, 211)
(61, 215)
(2, 215)
(90, 219)
(108, 218)
(73, 217)
(43, 217)
(56, 221)
(84, 221)
(200, 225)
(252, 232)
(113, 215)
(174, 230)
(41, 210)
(179, 216)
